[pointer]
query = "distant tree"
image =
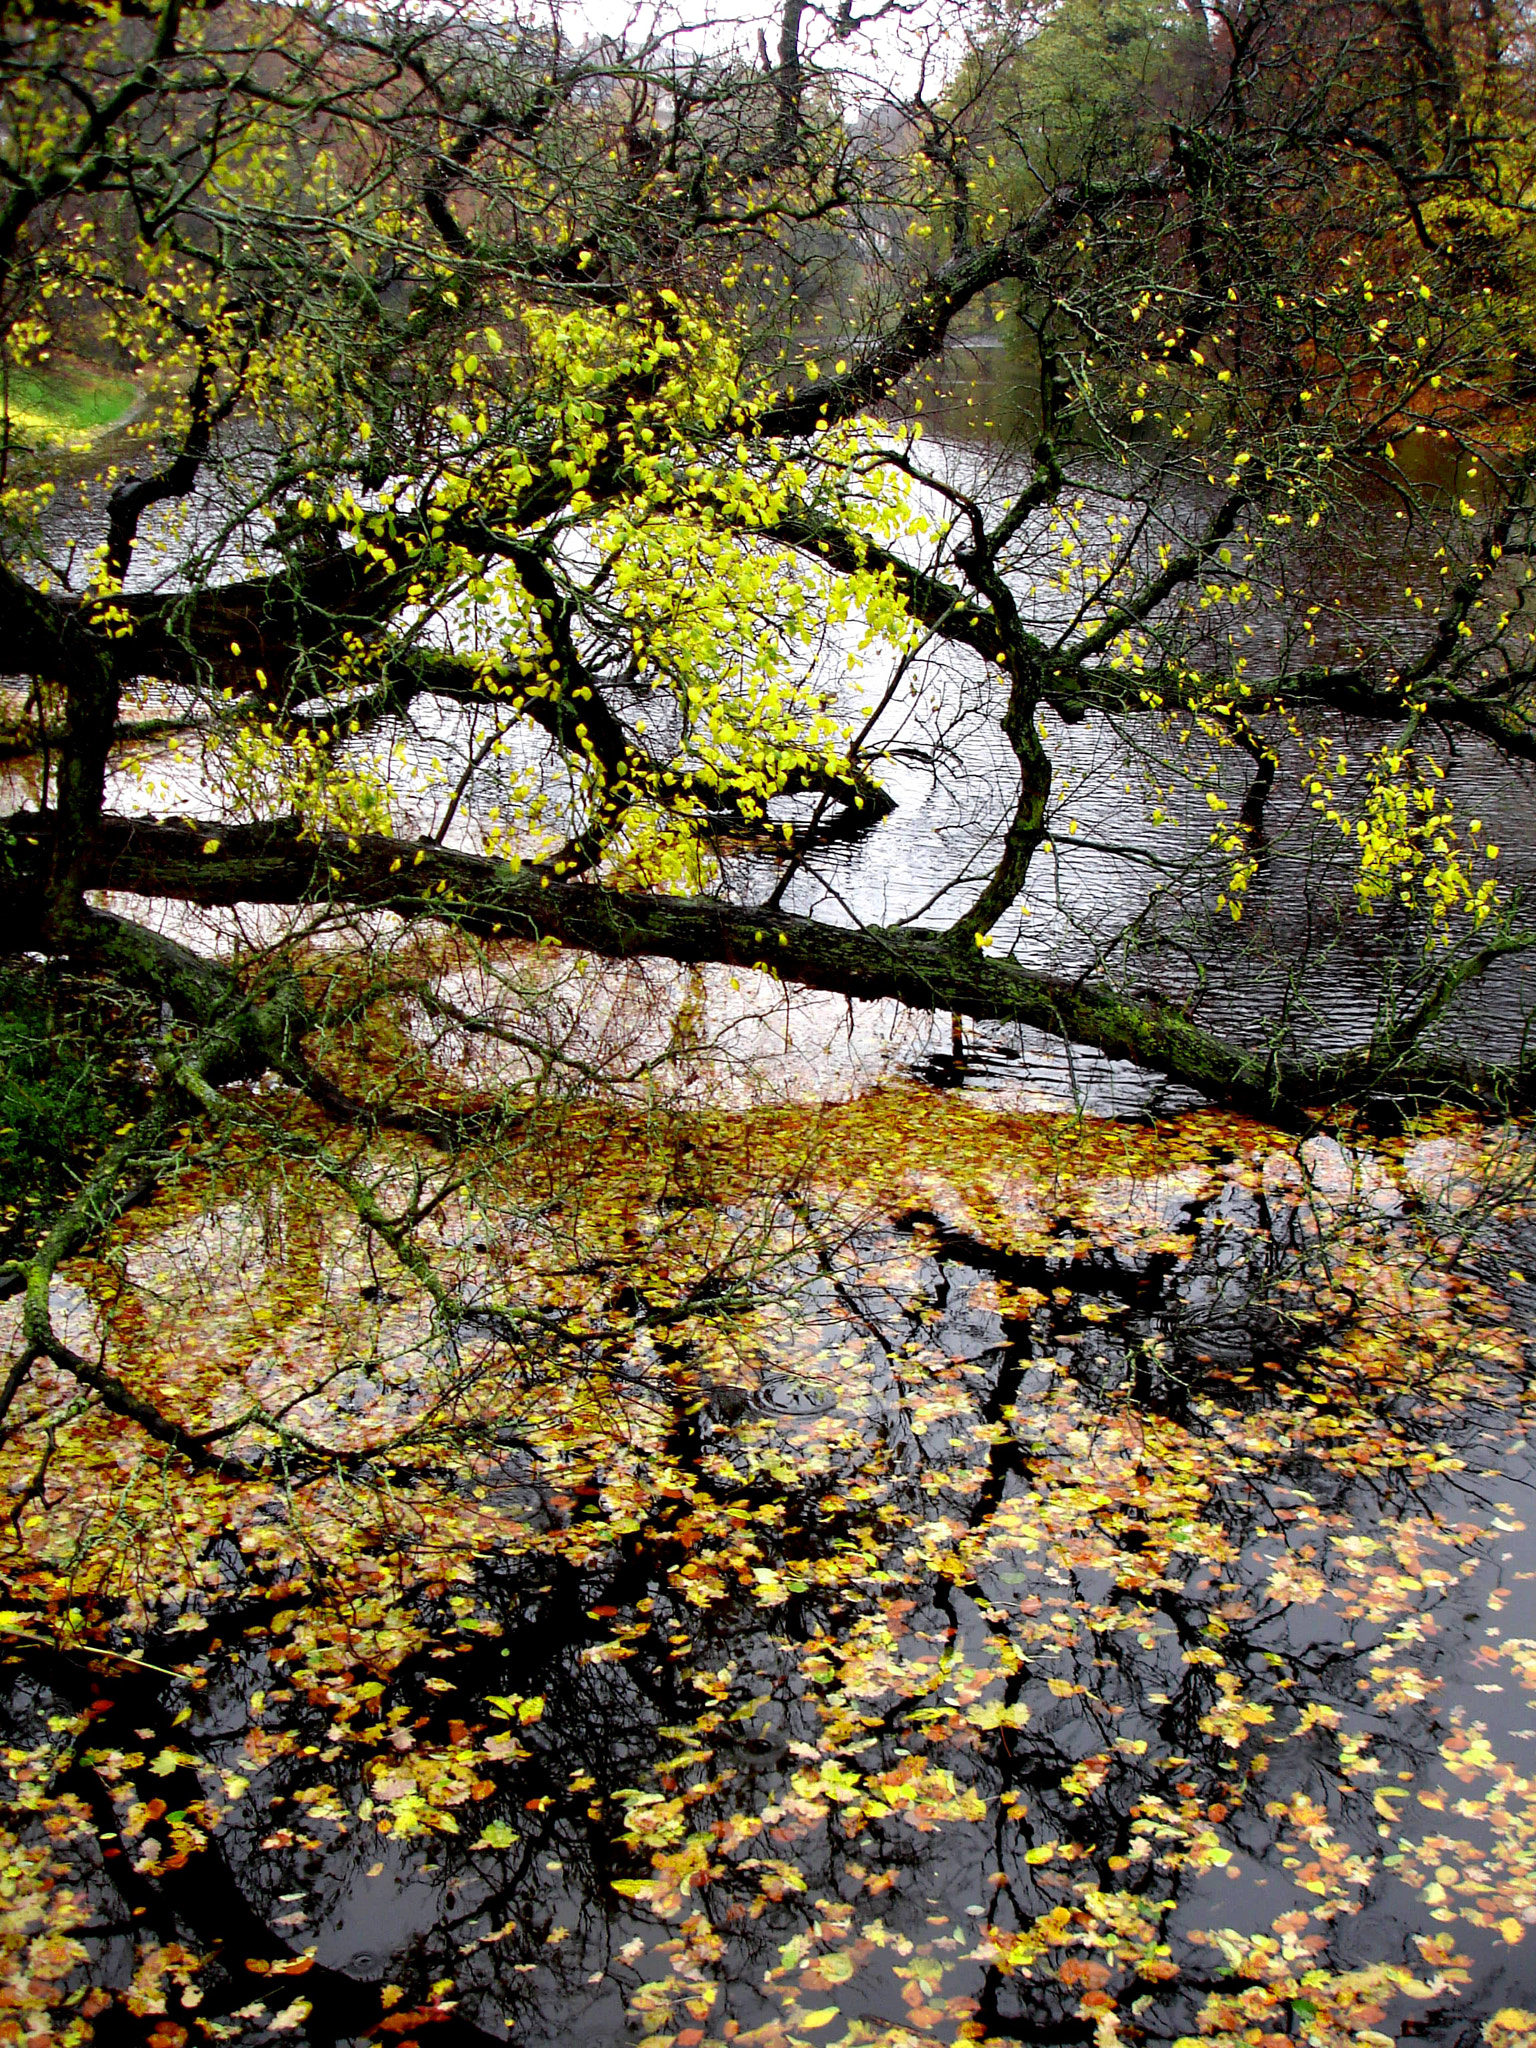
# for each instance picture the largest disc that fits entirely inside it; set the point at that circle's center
(1085, 88)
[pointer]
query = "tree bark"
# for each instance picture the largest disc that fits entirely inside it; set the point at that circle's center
(923, 969)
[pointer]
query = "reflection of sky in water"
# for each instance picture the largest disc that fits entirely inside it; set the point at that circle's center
(1113, 892)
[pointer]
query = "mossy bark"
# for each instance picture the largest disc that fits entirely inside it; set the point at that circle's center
(212, 864)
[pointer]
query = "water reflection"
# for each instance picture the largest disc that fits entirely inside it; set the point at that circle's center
(1080, 1590)
(1126, 886)
(1119, 1592)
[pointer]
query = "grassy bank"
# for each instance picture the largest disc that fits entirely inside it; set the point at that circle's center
(64, 400)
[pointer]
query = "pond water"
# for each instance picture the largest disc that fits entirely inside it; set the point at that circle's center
(1086, 1596)
(1125, 886)
(917, 1568)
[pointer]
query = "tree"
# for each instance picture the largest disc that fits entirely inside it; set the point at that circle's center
(418, 1425)
(491, 386)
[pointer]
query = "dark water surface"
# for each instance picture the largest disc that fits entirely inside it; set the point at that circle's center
(1159, 1562)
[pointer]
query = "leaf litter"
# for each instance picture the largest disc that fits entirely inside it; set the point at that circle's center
(874, 1573)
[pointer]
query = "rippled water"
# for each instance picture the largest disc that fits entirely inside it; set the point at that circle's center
(1114, 891)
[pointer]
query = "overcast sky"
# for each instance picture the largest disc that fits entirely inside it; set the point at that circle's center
(912, 39)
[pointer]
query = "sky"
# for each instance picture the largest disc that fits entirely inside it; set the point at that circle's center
(904, 41)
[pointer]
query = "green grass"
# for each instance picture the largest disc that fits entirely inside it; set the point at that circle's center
(62, 401)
